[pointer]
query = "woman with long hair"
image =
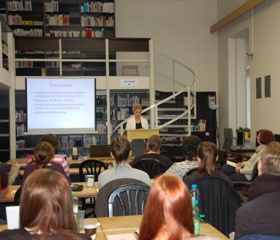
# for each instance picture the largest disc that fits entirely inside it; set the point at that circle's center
(46, 209)
(43, 154)
(168, 212)
(207, 155)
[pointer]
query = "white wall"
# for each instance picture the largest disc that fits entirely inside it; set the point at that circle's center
(180, 29)
(264, 38)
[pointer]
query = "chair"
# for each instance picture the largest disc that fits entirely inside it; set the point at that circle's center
(151, 166)
(101, 208)
(138, 147)
(190, 172)
(246, 184)
(257, 236)
(228, 136)
(218, 202)
(17, 197)
(90, 167)
(131, 199)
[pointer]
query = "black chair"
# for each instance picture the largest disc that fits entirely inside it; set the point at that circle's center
(17, 197)
(130, 198)
(151, 166)
(218, 202)
(190, 172)
(138, 146)
(94, 168)
(246, 184)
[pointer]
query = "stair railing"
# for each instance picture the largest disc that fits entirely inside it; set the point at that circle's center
(188, 89)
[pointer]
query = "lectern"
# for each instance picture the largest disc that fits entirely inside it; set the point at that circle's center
(140, 133)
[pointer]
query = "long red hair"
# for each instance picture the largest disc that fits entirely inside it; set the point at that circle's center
(168, 212)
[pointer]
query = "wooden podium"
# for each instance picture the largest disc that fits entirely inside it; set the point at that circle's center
(140, 133)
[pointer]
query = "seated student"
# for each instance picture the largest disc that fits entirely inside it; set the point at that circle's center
(168, 214)
(243, 170)
(46, 209)
(121, 152)
(53, 140)
(152, 151)
(189, 148)
(261, 214)
(207, 154)
(42, 158)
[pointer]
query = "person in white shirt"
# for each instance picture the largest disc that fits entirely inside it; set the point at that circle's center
(136, 121)
(189, 149)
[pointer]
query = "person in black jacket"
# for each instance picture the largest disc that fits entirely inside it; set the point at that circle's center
(261, 214)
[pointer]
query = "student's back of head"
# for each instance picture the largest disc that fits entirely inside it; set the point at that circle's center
(168, 212)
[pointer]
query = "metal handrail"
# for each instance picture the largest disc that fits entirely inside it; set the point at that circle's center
(190, 93)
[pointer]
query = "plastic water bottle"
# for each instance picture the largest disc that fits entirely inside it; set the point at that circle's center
(195, 194)
(76, 209)
(196, 219)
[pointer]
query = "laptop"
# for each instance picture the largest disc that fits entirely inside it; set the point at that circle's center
(99, 151)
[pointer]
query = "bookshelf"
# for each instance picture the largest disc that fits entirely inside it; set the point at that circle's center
(4, 125)
(60, 18)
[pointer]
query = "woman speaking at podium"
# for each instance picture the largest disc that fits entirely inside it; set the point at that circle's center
(136, 121)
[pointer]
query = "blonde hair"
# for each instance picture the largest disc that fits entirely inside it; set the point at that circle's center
(137, 106)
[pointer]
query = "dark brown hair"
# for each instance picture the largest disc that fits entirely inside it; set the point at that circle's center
(189, 147)
(120, 148)
(46, 204)
(168, 214)
(154, 143)
(43, 153)
(51, 139)
(207, 152)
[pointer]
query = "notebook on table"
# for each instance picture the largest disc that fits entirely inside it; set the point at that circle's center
(99, 151)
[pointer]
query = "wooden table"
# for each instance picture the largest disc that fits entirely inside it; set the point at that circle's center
(85, 193)
(234, 154)
(128, 224)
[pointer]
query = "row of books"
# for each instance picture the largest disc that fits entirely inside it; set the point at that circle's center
(101, 21)
(104, 7)
(128, 101)
(28, 33)
(58, 20)
(16, 5)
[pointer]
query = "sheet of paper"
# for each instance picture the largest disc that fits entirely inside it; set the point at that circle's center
(125, 236)
(230, 163)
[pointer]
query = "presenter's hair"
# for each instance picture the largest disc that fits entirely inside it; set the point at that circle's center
(137, 106)
(168, 213)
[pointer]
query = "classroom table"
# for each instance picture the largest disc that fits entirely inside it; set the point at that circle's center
(128, 224)
(242, 156)
(85, 193)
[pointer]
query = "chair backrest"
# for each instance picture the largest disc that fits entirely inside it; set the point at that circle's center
(138, 147)
(228, 138)
(17, 197)
(151, 166)
(255, 172)
(256, 236)
(130, 198)
(190, 172)
(91, 167)
(218, 201)
(101, 208)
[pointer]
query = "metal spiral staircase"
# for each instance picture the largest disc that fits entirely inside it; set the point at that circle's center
(172, 114)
